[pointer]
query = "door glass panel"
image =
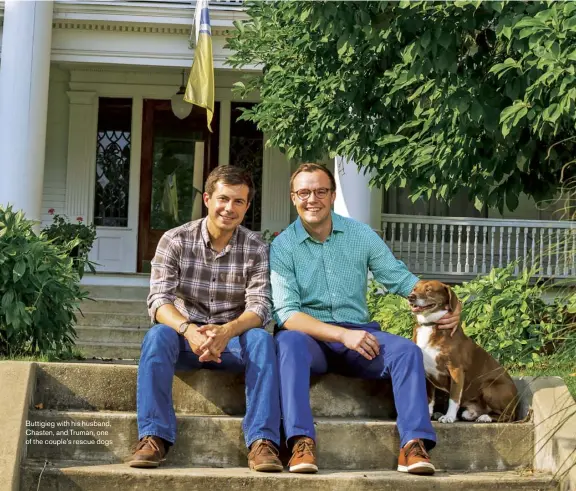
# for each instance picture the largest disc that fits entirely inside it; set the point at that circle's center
(113, 162)
(177, 179)
(247, 151)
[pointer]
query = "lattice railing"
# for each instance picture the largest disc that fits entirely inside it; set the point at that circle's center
(473, 246)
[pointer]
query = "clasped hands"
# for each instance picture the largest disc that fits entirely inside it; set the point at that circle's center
(208, 341)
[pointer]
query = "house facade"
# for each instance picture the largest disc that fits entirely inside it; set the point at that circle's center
(89, 130)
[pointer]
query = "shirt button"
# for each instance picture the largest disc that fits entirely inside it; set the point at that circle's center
(211, 299)
(213, 279)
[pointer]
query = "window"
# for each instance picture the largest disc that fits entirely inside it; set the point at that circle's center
(113, 162)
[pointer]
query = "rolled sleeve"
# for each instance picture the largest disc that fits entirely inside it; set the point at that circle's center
(164, 278)
(388, 270)
(258, 287)
(285, 295)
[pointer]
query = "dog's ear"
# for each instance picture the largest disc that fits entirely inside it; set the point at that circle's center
(452, 298)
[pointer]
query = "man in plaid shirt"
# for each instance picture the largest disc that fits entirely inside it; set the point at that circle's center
(209, 298)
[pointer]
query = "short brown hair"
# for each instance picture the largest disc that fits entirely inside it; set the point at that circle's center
(312, 167)
(230, 175)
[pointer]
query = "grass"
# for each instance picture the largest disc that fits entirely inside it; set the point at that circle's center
(564, 369)
(75, 355)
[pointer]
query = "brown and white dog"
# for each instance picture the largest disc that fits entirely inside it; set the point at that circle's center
(456, 364)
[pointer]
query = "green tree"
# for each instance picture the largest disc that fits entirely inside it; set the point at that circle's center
(442, 95)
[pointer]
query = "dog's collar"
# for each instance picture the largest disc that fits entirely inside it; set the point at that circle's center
(427, 324)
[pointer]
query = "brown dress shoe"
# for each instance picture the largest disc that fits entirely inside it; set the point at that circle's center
(263, 457)
(414, 459)
(303, 456)
(149, 452)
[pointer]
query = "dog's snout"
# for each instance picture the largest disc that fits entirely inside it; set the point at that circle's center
(411, 297)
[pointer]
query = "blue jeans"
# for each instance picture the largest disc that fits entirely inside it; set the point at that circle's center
(252, 353)
(300, 355)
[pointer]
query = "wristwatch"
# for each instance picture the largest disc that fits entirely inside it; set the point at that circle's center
(182, 328)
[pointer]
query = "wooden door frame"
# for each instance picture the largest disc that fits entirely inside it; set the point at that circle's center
(197, 123)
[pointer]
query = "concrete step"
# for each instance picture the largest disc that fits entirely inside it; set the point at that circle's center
(136, 292)
(99, 387)
(109, 351)
(217, 441)
(108, 319)
(76, 476)
(111, 335)
(115, 306)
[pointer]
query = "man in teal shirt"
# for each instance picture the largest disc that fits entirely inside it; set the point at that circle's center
(319, 273)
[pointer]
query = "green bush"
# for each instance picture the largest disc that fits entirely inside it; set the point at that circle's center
(506, 315)
(503, 313)
(390, 311)
(77, 238)
(39, 290)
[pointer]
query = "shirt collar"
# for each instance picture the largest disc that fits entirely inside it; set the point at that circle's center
(302, 234)
(206, 236)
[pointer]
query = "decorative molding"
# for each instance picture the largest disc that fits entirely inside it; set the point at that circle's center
(81, 97)
(150, 14)
(172, 60)
(135, 28)
(81, 154)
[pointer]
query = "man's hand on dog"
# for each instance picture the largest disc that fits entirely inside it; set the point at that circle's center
(361, 341)
(451, 320)
(218, 337)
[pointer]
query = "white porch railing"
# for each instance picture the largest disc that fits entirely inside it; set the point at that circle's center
(471, 246)
(237, 3)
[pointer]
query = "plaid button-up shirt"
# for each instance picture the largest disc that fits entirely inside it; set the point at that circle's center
(209, 287)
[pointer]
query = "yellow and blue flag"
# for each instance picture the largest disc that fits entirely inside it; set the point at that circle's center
(200, 87)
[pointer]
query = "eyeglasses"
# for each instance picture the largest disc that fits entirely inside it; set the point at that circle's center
(320, 193)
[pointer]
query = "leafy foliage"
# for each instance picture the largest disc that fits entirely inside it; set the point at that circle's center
(77, 238)
(39, 290)
(441, 95)
(390, 311)
(507, 316)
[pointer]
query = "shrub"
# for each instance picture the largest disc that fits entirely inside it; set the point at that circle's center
(77, 238)
(39, 290)
(390, 311)
(506, 315)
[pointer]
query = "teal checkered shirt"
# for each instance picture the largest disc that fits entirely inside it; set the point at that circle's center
(329, 280)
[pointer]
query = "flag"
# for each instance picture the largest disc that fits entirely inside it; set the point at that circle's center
(200, 87)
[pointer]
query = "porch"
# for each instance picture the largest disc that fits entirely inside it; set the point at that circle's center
(462, 248)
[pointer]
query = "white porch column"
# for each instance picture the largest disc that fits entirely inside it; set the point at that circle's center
(24, 80)
(354, 197)
(275, 190)
(82, 137)
(224, 135)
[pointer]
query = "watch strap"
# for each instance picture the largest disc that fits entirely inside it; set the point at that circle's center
(181, 329)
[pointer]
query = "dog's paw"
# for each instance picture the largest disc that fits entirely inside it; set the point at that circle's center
(437, 415)
(484, 419)
(469, 415)
(446, 419)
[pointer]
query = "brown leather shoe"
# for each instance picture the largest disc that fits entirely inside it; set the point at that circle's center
(149, 452)
(303, 456)
(414, 459)
(263, 457)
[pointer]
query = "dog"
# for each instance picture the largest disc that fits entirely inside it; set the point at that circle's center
(456, 364)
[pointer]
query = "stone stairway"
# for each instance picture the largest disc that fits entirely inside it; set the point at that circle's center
(113, 323)
(93, 406)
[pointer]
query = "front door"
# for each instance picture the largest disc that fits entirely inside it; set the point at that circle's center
(177, 156)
